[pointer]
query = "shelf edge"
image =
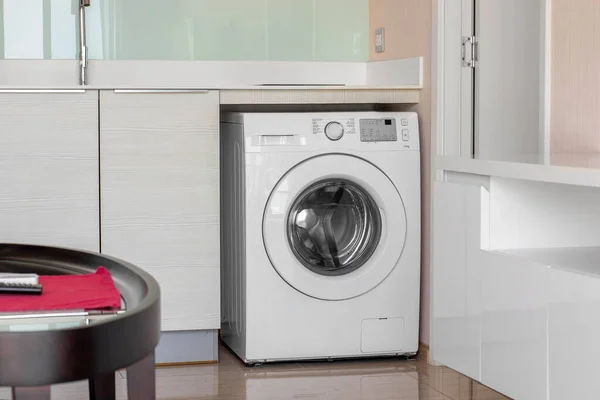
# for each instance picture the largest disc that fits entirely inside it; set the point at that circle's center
(587, 177)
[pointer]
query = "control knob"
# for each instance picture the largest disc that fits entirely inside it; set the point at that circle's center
(334, 130)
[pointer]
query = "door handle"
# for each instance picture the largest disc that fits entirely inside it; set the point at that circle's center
(161, 91)
(278, 140)
(42, 91)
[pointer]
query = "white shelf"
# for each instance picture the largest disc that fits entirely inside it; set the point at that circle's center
(530, 172)
(583, 260)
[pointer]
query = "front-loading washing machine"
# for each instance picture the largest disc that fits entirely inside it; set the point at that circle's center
(320, 238)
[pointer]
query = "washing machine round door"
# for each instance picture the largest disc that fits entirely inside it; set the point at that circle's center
(334, 227)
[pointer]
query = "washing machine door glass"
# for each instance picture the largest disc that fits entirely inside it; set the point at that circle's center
(334, 227)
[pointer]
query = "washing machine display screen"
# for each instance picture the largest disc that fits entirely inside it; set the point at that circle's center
(334, 226)
(378, 130)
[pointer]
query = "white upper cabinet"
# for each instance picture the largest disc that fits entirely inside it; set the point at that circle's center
(524, 86)
(49, 169)
(510, 80)
(160, 196)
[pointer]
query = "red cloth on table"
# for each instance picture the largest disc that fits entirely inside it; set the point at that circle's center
(67, 292)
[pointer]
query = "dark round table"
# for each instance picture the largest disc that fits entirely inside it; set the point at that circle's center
(41, 349)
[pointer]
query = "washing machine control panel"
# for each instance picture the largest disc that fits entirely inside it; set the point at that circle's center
(334, 129)
(372, 130)
(378, 130)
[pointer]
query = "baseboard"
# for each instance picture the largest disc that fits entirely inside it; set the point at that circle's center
(187, 347)
(185, 364)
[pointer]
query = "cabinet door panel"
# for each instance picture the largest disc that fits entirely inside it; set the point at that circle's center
(510, 80)
(514, 326)
(456, 278)
(573, 331)
(181, 305)
(49, 169)
(160, 196)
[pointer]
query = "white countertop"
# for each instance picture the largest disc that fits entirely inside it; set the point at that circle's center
(403, 74)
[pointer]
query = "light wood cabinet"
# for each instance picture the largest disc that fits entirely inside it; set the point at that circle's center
(49, 168)
(159, 157)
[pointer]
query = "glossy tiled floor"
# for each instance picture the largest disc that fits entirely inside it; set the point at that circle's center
(387, 379)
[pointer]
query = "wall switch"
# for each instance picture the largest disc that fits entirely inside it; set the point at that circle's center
(379, 40)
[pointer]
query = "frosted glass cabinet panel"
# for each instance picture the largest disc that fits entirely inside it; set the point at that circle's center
(277, 30)
(38, 29)
(177, 30)
(341, 30)
(290, 29)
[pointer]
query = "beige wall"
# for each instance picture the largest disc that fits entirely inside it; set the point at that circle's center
(575, 89)
(407, 26)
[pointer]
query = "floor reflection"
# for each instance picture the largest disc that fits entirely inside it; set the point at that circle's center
(383, 379)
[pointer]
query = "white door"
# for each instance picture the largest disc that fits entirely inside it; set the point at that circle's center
(510, 80)
(329, 225)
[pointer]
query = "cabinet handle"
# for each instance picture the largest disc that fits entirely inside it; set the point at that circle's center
(161, 91)
(42, 91)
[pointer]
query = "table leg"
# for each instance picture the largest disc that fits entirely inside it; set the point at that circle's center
(102, 387)
(31, 393)
(141, 379)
